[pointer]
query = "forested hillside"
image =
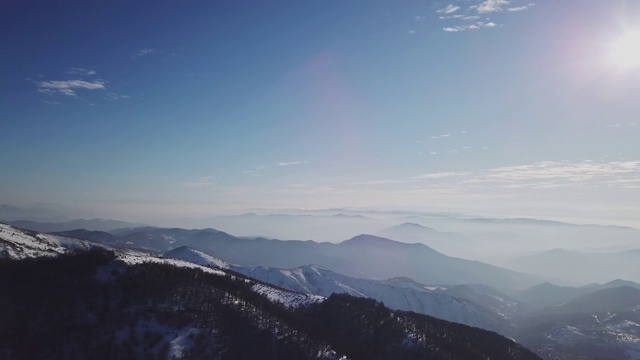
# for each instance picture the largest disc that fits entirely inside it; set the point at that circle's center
(91, 305)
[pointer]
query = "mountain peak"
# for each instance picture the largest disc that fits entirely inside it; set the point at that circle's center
(188, 254)
(366, 239)
(414, 225)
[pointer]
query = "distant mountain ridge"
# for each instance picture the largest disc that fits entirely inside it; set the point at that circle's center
(602, 323)
(607, 300)
(581, 267)
(363, 256)
(34, 213)
(145, 306)
(547, 295)
(450, 243)
(91, 225)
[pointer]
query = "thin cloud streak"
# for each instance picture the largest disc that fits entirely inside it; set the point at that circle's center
(520, 8)
(69, 87)
(478, 25)
(378, 182)
(201, 182)
(143, 52)
(440, 175)
(81, 71)
(546, 175)
(292, 163)
(449, 9)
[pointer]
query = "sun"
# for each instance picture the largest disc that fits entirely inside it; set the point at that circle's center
(625, 51)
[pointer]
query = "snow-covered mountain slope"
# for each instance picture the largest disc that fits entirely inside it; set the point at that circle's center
(483, 295)
(314, 279)
(203, 262)
(134, 257)
(602, 335)
(159, 311)
(19, 244)
(318, 280)
(363, 256)
(195, 256)
(287, 298)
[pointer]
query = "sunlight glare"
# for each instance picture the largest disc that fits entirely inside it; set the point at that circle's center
(625, 51)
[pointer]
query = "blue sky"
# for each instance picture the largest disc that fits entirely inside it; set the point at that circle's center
(164, 109)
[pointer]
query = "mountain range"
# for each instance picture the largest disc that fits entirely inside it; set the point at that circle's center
(581, 267)
(595, 321)
(450, 243)
(317, 280)
(363, 256)
(109, 303)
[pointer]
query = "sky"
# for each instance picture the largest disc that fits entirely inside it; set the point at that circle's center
(147, 110)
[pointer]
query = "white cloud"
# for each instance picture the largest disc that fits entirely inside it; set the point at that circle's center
(377, 182)
(440, 175)
(449, 9)
(453, 29)
(201, 182)
(483, 7)
(69, 87)
(143, 52)
(81, 71)
(420, 18)
(254, 172)
(441, 136)
(545, 175)
(490, 6)
(412, 31)
(476, 26)
(114, 96)
(583, 172)
(451, 17)
(520, 8)
(291, 163)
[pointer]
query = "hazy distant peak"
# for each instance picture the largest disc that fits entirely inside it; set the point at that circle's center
(366, 239)
(403, 281)
(544, 285)
(212, 230)
(414, 226)
(615, 299)
(341, 215)
(620, 282)
(314, 267)
(409, 227)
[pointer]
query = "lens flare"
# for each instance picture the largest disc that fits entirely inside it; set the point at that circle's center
(625, 51)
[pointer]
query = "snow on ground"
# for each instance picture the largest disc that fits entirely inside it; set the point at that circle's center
(133, 257)
(288, 298)
(21, 244)
(182, 343)
(196, 257)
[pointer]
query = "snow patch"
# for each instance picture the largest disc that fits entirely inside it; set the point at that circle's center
(287, 298)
